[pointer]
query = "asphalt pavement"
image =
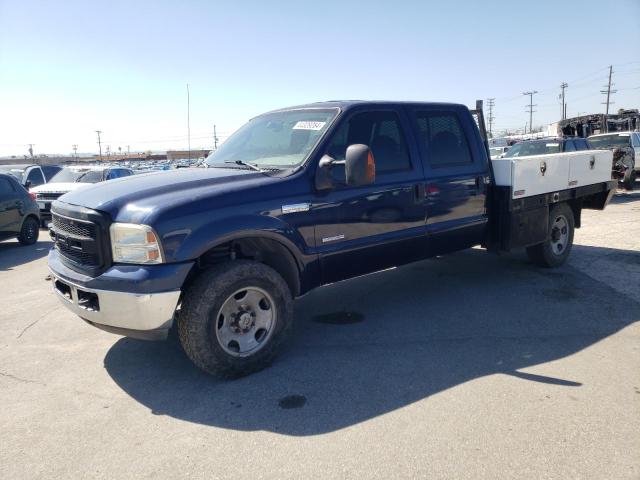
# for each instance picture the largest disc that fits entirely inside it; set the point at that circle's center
(468, 366)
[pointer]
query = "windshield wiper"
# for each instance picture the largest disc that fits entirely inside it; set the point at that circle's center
(246, 164)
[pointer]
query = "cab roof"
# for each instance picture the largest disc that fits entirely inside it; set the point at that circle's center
(346, 104)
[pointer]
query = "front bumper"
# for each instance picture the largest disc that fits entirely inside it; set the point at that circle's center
(131, 307)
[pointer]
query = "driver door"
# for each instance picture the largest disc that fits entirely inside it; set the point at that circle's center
(367, 228)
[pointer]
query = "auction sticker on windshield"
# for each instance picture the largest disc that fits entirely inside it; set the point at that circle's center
(306, 125)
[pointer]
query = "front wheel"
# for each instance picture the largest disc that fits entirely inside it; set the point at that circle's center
(29, 232)
(554, 251)
(235, 317)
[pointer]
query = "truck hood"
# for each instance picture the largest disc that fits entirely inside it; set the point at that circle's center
(142, 198)
(59, 187)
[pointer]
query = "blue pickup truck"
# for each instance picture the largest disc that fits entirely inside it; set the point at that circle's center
(295, 199)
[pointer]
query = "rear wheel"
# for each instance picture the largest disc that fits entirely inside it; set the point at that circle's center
(29, 232)
(554, 251)
(629, 182)
(235, 317)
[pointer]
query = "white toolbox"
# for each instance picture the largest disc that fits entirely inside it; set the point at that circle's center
(538, 174)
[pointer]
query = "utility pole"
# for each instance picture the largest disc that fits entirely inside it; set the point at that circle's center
(188, 122)
(563, 86)
(108, 150)
(530, 110)
(490, 118)
(608, 91)
(31, 149)
(215, 139)
(75, 151)
(99, 143)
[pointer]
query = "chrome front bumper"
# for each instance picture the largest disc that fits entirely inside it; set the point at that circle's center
(148, 316)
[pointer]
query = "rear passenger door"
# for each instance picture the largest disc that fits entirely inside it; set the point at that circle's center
(10, 205)
(456, 178)
(368, 228)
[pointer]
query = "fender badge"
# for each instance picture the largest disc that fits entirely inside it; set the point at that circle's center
(332, 239)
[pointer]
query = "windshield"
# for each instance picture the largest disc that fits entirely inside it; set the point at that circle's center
(613, 140)
(92, 176)
(15, 171)
(67, 175)
(533, 148)
(275, 140)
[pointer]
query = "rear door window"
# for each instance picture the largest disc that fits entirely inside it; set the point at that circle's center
(569, 146)
(443, 140)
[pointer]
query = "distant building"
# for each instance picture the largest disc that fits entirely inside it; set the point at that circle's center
(185, 154)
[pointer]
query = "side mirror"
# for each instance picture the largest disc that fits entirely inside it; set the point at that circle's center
(359, 165)
(27, 184)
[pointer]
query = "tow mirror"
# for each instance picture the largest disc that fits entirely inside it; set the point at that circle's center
(359, 167)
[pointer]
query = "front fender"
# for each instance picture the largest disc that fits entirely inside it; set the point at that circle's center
(183, 245)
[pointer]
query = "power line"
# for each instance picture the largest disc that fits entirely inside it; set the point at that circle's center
(530, 108)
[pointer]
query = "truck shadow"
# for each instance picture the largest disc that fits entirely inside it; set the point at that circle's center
(623, 196)
(13, 254)
(407, 334)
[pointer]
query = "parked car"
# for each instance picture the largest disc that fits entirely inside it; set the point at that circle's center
(545, 146)
(497, 152)
(31, 175)
(626, 154)
(72, 178)
(19, 214)
(298, 198)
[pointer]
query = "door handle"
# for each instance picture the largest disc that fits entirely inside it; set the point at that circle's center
(420, 192)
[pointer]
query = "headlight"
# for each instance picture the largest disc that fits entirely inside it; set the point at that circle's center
(131, 243)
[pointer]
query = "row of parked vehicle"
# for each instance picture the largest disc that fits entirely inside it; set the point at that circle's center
(27, 191)
(624, 145)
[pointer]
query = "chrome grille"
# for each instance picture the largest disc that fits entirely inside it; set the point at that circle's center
(48, 196)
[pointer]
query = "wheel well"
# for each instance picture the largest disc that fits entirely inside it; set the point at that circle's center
(263, 250)
(576, 208)
(31, 215)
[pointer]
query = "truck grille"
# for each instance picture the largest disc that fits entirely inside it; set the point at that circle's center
(73, 227)
(79, 242)
(48, 196)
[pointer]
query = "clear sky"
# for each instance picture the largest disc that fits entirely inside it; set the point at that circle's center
(71, 67)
